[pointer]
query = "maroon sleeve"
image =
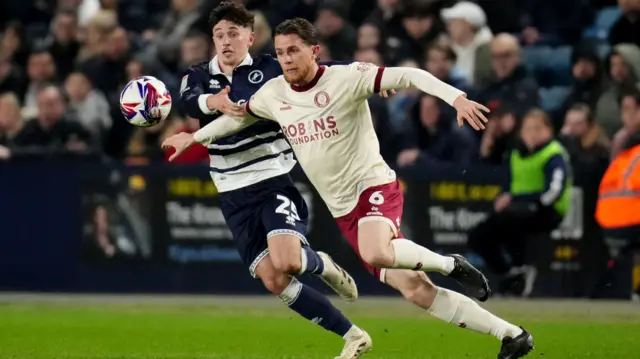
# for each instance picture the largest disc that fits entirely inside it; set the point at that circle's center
(378, 80)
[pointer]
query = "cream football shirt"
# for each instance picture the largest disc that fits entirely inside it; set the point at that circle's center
(329, 126)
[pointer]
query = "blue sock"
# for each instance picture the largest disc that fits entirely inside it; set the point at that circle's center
(315, 307)
(311, 261)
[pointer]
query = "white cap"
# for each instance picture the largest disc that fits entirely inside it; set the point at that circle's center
(466, 10)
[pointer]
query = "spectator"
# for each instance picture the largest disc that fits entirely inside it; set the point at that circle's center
(630, 119)
(582, 137)
(263, 43)
(420, 28)
(107, 70)
(370, 55)
(62, 43)
(10, 123)
(338, 34)
(196, 48)
(587, 86)
(11, 78)
(14, 44)
(535, 199)
(369, 37)
(51, 130)
(41, 70)
(96, 35)
(440, 62)
(88, 106)
(627, 28)
(499, 138)
(511, 84)
(467, 27)
(387, 19)
(624, 72)
(196, 153)
(554, 22)
(431, 135)
(184, 17)
(400, 103)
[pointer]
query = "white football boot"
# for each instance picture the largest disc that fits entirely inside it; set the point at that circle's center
(358, 342)
(338, 279)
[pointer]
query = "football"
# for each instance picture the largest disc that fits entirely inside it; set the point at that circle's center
(145, 101)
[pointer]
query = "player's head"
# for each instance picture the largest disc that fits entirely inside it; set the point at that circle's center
(297, 48)
(232, 28)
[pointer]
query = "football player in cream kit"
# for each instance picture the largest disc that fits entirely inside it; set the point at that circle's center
(324, 114)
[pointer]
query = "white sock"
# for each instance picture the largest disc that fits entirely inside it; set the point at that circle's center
(409, 255)
(455, 308)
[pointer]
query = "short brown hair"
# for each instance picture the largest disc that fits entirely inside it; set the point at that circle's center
(232, 12)
(541, 115)
(584, 108)
(301, 27)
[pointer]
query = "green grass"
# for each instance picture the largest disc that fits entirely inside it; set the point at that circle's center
(258, 327)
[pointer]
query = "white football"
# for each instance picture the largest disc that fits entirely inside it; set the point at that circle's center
(145, 101)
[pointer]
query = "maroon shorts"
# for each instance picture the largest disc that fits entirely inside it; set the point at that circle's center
(378, 203)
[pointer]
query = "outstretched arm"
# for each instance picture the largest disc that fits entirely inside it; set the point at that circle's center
(405, 77)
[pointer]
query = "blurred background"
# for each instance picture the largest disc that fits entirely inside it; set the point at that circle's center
(88, 202)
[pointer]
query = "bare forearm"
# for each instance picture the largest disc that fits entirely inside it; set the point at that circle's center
(405, 77)
(221, 127)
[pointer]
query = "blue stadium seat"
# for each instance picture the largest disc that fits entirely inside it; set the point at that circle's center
(551, 98)
(605, 19)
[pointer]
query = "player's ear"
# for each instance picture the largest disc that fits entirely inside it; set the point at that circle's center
(316, 51)
(252, 38)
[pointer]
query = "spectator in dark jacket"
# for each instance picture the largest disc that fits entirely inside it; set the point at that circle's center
(511, 85)
(12, 78)
(420, 27)
(431, 135)
(588, 79)
(62, 43)
(582, 137)
(336, 32)
(51, 130)
(500, 136)
(627, 28)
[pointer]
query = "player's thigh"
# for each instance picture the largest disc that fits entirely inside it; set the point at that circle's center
(248, 235)
(414, 285)
(374, 239)
(273, 279)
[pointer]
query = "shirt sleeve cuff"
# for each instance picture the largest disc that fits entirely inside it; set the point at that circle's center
(202, 104)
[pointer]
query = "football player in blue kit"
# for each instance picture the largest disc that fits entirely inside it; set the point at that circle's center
(265, 212)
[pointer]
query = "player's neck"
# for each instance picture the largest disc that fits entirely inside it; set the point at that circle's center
(228, 69)
(310, 80)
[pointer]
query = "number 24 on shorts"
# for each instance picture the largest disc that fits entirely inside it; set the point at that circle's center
(287, 208)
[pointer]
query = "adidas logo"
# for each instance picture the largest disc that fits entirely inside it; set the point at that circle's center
(214, 84)
(285, 106)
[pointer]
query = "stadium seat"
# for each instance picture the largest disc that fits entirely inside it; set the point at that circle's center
(605, 19)
(551, 98)
(550, 66)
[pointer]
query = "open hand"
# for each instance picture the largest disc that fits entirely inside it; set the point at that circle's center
(180, 142)
(223, 103)
(471, 112)
(385, 93)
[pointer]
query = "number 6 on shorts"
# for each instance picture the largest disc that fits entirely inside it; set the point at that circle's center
(376, 198)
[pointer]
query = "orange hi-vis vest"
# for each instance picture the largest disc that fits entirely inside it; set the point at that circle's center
(619, 193)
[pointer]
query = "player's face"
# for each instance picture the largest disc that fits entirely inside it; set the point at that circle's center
(296, 58)
(232, 42)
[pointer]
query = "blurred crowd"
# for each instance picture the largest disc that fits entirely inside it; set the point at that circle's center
(63, 64)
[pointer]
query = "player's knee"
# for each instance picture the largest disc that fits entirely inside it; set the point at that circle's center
(275, 282)
(376, 256)
(287, 265)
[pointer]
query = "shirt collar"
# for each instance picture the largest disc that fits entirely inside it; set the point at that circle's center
(214, 65)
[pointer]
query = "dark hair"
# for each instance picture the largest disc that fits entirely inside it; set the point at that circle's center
(631, 91)
(583, 107)
(232, 12)
(301, 27)
(444, 48)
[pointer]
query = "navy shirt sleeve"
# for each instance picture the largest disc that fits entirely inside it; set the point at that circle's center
(193, 86)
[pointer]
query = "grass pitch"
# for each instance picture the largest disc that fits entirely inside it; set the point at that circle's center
(141, 327)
